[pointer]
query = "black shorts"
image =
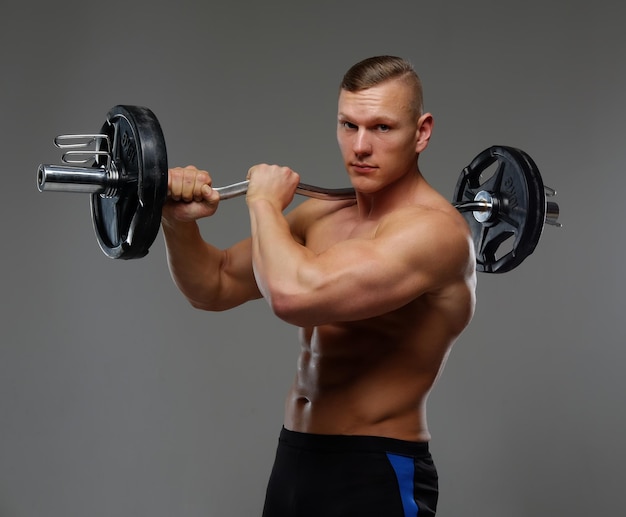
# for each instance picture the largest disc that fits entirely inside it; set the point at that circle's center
(331, 476)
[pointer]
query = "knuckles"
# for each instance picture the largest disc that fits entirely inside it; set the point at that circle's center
(188, 184)
(272, 171)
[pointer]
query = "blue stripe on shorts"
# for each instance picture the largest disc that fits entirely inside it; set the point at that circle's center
(405, 472)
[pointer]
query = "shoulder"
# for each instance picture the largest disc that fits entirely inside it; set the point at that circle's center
(314, 211)
(437, 238)
(426, 220)
(316, 208)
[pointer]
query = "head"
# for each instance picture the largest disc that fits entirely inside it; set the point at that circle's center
(381, 125)
(376, 70)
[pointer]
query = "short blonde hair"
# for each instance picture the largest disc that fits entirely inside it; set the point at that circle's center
(376, 70)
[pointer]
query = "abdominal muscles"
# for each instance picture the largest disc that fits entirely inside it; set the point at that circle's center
(368, 377)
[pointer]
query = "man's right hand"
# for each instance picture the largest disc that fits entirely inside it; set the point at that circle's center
(189, 195)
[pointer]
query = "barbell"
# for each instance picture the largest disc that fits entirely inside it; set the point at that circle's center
(124, 168)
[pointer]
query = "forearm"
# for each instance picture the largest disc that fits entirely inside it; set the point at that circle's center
(194, 264)
(278, 260)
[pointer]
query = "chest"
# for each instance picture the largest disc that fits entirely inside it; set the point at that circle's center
(327, 231)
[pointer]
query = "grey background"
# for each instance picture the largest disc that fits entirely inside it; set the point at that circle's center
(118, 399)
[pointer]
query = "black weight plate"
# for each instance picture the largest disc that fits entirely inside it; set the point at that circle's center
(127, 223)
(505, 240)
(538, 215)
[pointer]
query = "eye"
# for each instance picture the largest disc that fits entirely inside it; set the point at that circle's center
(383, 128)
(348, 125)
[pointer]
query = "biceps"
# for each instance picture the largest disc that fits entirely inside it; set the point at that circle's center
(352, 282)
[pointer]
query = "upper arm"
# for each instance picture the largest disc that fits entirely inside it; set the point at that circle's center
(235, 277)
(215, 279)
(361, 278)
(211, 278)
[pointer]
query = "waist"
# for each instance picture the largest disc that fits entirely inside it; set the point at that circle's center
(352, 443)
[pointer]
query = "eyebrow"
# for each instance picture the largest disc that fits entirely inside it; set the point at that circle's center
(379, 119)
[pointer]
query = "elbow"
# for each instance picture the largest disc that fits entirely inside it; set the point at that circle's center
(207, 305)
(297, 299)
(290, 308)
(201, 306)
(281, 304)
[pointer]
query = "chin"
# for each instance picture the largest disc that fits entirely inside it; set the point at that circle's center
(365, 185)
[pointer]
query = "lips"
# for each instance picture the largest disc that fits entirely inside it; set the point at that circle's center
(363, 167)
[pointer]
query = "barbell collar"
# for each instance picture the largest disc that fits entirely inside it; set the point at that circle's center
(473, 206)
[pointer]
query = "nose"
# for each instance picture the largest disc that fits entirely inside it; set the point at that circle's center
(361, 144)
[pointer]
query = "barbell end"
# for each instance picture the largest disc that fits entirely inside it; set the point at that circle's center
(552, 209)
(41, 178)
(68, 178)
(552, 214)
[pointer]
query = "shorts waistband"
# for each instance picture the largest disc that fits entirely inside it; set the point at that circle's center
(352, 443)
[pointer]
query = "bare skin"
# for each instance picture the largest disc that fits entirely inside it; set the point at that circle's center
(379, 287)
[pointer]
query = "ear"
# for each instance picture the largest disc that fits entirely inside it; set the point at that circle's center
(424, 130)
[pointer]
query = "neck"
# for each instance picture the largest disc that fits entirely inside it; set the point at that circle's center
(373, 205)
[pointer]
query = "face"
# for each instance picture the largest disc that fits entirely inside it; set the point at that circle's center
(380, 135)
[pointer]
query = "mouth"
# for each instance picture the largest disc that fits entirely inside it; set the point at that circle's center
(362, 167)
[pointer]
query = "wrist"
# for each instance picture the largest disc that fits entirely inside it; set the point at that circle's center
(172, 223)
(256, 202)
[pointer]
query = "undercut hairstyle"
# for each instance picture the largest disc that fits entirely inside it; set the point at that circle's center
(379, 69)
